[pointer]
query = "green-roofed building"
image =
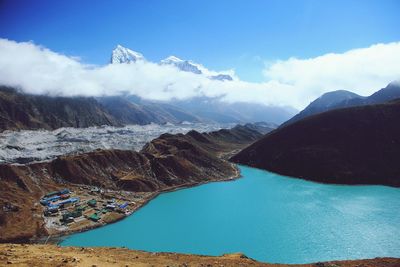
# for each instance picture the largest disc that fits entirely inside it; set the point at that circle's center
(92, 203)
(94, 217)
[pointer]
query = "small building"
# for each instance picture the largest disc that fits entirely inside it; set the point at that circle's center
(80, 208)
(67, 220)
(76, 213)
(94, 217)
(104, 211)
(54, 193)
(110, 207)
(64, 191)
(72, 214)
(64, 196)
(51, 205)
(69, 201)
(95, 189)
(123, 206)
(46, 200)
(92, 203)
(52, 209)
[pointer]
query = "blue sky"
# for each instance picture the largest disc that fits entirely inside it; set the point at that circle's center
(219, 34)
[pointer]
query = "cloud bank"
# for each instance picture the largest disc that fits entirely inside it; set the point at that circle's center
(293, 82)
(362, 71)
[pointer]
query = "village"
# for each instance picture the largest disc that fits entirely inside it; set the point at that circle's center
(85, 207)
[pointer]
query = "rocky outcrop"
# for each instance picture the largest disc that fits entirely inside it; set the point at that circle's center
(358, 145)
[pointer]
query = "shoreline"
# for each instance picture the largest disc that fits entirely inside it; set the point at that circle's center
(56, 239)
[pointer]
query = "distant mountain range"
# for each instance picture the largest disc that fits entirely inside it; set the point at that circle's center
(125, 55)
(342, 99)
(352, 145)
(23, 111)
(206, 108)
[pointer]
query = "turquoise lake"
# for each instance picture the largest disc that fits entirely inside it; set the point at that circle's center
(268, 217)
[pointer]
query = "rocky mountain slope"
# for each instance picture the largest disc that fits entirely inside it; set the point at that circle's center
(167, 162)
(342, 99)
(50, 255)
(23, 111)
(358, 145)
(144, 112)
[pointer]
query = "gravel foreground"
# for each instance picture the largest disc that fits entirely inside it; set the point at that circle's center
(51, 255)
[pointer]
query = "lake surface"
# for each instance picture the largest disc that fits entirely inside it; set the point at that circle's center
(266, 216)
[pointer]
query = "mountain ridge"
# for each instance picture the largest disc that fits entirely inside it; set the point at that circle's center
(354, 145)
(25, 111)
(123, 55)
(342, 99)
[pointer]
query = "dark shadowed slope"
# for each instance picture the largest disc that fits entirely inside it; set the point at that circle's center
(358, 145)
(390, 92)
(325, 102)
(21, 111)
(343, 99)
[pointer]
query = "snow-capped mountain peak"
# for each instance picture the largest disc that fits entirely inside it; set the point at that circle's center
(171, 59)
(183, 65)
(124, 55)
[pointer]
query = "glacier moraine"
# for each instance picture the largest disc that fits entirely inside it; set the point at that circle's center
(38, 145)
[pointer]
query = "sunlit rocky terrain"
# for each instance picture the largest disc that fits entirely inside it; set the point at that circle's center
(37, 145)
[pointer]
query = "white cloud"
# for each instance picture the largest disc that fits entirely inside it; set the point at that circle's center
(292, 82)
(362, 71)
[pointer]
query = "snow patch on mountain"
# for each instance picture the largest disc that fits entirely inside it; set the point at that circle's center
(190, 66)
